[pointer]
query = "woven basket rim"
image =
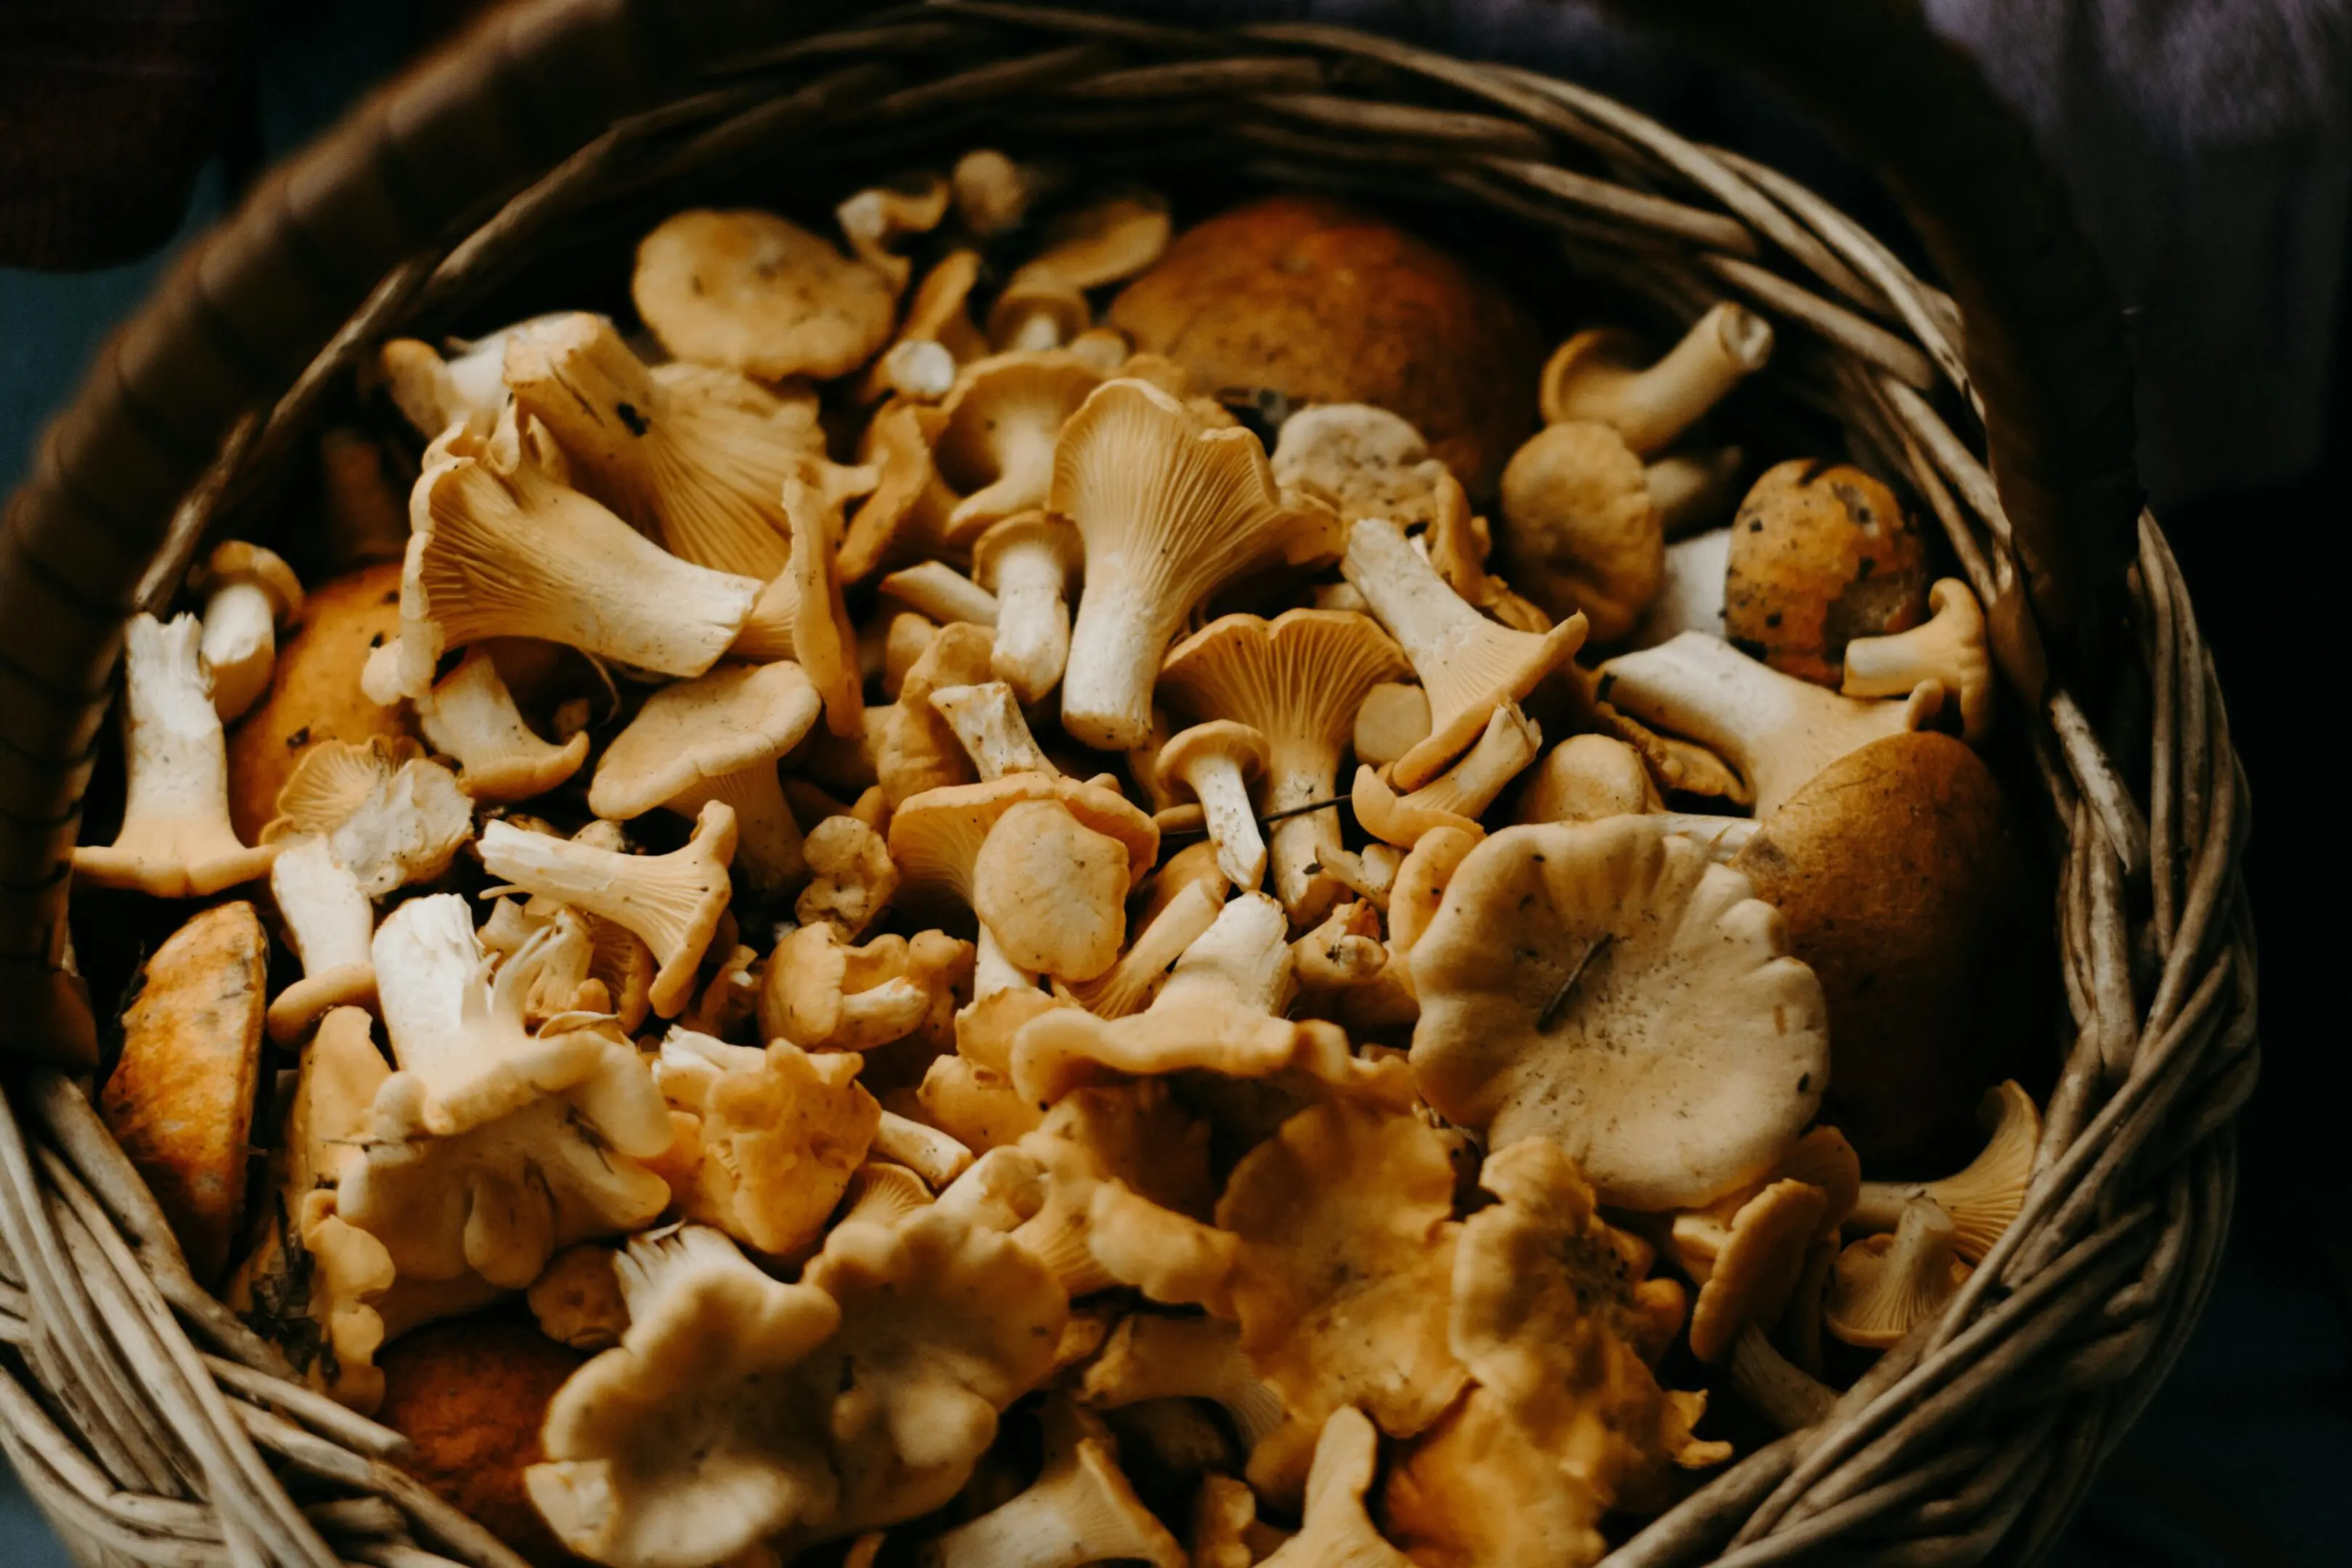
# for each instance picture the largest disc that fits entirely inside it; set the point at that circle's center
(1977, 1435)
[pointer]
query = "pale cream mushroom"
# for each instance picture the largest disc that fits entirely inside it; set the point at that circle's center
(694, 456)
(1215, 762)
(1154, 1356)
(505, 549)
(882, 1194)
(1457, 797)
(673, 901)
(1586, 778)
(751, 291)
(1983, 1199)
(1392, 720)
(1299, 680)
(175, 841)
(935, 336)
(1043, 303)
(824, 639)
(1169, 513)
(1080, 1510)
(467, 388)
(904, 519)
(1029, 561)
(918, 749)
(942, 593)
(1884, 1286)
(930, 1154)
(988, 720)
(578, 1301)
(493, 1147)
(1337, 1532)
(1130, 985)
(1365, 461)
(874, 219)
(1468, 665)
(996, 449)
(1596, 376)
(329, 922)
(821, 994)
(1777, 731)
(1610, 988)
(249, 594)
(999, 1191)
(389, 815)
(470, 715)
(1052, 890)
(1950, 649)
(852, 876)
(718, 737)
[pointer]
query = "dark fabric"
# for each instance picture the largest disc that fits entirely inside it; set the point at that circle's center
(109, 109)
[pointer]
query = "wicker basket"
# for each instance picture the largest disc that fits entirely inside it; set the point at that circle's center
(561, 124)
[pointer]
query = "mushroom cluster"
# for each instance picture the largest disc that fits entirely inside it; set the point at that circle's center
(1020, 950)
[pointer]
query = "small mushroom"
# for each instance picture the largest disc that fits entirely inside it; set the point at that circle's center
(1391, 721)
(1820, 556)
(1982, 1199)
(993, 194)
(975, 1105)
(1225, 1530)
(1612, 989)
(904, 518)
(1596, 376)
(1336, 1531)
(1365, 461)
(1080, 1510)
(507, 550)
(329, 922)
(1151, 1357)
(1777, 731)
(1052, 890)
(942, 593)
(996, 449)
(1216, 760)
(672, 901)
(578, 1301)
(874, 219)
(1585, 534)
(930, 1154)
(175, 841)
(988, 720)
(1585, 778)
(824, 640)
(388, 815)
(1950, 649)
(852, 876)
(1130, 984)
(718, 737)
(467, 388)
(935, 336)
(470, 715)
(825, 995)
(1752, 1274)
(1884, 1286)
(1029, 561)
(1299, 680)
(750, 291)
(1169, 512)
(882, 1194)
(1457, 797)
(1468, 665)
(180, 1099)
(1132, 1133)
(1043, 305)
(249, 593)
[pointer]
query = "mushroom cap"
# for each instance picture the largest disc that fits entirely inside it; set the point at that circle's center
(1883, 1286)
(1298, 678)
(779, 1143)
(1243, 745)
(1755, 1271)
(1684, 1049)
(1327, 303)
(754, 292)
(936, 835)
(1821, 556)
(314, 690)
(904, 518)
(738, 716)
(996, 447)
(1105, 241)
(1587, 777)
(1022, 529)
(1052, 890)
(1365, 461)
(1581, 531)
(1902, 884)
(237, 561)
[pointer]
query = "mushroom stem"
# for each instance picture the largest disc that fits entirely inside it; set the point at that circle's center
(1115, 646)
(328, 923)
(1651, 407)
(1224, 791)
(673, 901)
(1467, 663)
(1983, 1198)
(1081, 1510)
(942, 593)
(1773, 1387)
(1693, 492)
(990, 723)
(1135, 979)
(175, 841)
(240, 645)
(768, 845)
(1033, 618)
(926, 1151)
(992, 972)
(1949, 648)
(470, 715)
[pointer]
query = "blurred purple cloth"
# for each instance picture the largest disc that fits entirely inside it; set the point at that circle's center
(2208, 145)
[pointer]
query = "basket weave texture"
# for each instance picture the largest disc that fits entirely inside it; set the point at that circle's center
(1972, 1441)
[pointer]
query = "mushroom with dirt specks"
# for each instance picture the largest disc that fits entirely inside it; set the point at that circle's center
(750, 291)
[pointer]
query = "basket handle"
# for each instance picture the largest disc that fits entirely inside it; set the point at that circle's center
(244, 310)
(2044, 341)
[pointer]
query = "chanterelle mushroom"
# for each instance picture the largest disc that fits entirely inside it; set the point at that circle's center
(1081, 1509)
(1584, 532)
(1297, 679)
(1457, 797)
(875, 218)
(248, 593)
(1029, 561)
(493, 1146)
(1365, 461)
(1169, 512)
(1949, 650)
(1337, 1532)
(1884, 1286)
(1612, 989)
(996, 449)
(1592, 376)
(1983, 1198)
(766, 1140)
(1776, 731)
(691, 1439)
(175, 841)
(1468, 663)
(718, 737)
(329, 922)
(502, 548)
(1216, 760)
(1149, 1356)
(695, 456)
(471, 716)
(755, 293)
(1567, 1422)
(389, 816)
(467, 388)
(1131, 1134)
(672, 900)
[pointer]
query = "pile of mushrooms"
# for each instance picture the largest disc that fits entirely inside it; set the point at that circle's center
(1013, 958)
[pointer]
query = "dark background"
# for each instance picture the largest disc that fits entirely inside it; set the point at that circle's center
(2208, 145)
